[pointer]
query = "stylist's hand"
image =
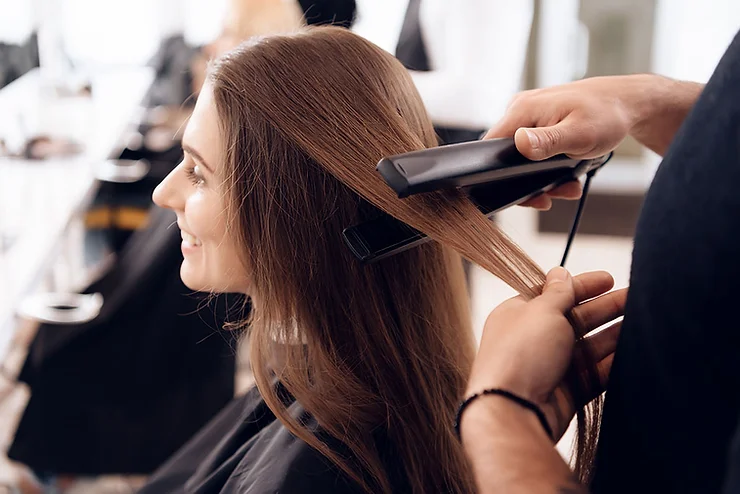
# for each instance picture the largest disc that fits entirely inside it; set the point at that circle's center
(528, 346)
(583, 119)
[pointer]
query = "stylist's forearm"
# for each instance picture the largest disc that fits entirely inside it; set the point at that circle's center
(660, 106)
(510, 451)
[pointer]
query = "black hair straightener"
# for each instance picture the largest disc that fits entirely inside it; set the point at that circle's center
(491, 172)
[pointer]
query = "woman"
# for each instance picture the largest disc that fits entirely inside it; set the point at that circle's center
(359, 369)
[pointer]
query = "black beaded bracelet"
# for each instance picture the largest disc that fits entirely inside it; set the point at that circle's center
(506, 394)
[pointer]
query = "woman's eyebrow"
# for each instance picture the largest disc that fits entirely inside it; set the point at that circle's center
(196, 156)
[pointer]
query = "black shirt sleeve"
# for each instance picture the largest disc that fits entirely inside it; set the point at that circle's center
(732, 479)
(672, 404)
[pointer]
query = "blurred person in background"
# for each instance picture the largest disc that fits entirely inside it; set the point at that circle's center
(335, 12)
(467, 60)
(17, 59)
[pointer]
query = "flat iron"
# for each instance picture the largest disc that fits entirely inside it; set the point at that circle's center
(493, 174)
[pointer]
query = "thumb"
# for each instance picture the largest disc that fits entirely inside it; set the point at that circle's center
(543, 142)
(558, 291)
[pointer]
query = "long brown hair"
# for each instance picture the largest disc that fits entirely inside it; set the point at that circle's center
(304, 118)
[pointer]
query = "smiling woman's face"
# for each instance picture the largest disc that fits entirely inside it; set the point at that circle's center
(194, 190)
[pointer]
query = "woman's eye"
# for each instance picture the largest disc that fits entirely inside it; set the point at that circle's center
(195, 175)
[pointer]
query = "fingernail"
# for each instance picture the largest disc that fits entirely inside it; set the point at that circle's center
(557, 275)
(534, 139)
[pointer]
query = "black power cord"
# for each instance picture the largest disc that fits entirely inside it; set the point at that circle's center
(577, 218)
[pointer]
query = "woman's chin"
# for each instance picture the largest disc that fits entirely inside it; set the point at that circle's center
(191, 280)
(195, 281)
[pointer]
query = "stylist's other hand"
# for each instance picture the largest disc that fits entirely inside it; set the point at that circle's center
(583, 119)
(527, 347)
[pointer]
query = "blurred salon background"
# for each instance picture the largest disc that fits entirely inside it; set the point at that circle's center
(107, 362)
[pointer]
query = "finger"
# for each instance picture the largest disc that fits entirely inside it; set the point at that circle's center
(558, 291)
(604, 370)
(592, 284)
(581, 394)
(569, 190)
(498, 131)
(589, 385)
(603, 343)
(507, 126)
(601, 310)
(541, 202)
(565, 137)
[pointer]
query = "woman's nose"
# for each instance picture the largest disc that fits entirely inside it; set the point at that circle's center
(167, 194)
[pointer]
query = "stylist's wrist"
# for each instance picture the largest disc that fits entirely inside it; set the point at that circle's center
(658, 106)
(638, 97)
(499, 414)
(503, 373)
(502, 369)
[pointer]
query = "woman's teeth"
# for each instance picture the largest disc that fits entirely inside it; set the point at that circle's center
(190, 239)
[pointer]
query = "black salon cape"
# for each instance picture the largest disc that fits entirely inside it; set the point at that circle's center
(245, 449)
